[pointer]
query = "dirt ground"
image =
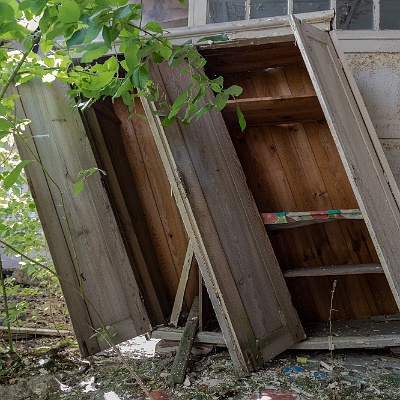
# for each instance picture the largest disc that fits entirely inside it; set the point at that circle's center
(51, 368)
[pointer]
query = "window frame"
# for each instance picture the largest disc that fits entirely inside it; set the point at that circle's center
(198, 10)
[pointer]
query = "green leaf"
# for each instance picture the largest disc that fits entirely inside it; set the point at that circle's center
(109, 35)
(203, 110)
(37, 6)
(96, 52)
(122, 12)
(242, 120)
(77, 38)
(218, 38)
(12, 177)
(69, 12)
(168, 121)
(5, 125)
(157, 59)
(78, 187)
(92, 32)
(6, 12)
(178, 104)
(220, 100)
(140, 76)
(234, 90)
(131, 54)
(101, 80)
(153, 27)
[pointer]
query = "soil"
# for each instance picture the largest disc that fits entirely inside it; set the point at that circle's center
(51, 368)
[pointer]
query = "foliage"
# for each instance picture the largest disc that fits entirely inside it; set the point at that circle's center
(90, 30)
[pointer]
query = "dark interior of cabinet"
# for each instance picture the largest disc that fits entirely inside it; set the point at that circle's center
(292, 165)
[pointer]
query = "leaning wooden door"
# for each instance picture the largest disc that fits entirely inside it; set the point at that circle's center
(358, 145)
(96, 275)
(241, 273)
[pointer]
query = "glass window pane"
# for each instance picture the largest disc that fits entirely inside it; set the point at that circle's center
(302, 6)
(390, 14)
(354, 14)
(224, 11)
(268, 8)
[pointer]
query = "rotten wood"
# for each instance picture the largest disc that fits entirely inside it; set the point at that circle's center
(178, 369)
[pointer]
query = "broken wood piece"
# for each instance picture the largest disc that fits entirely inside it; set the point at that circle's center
(180, 293)
(178, 370)
(35, 331)
(168, 346)
(295, 219)
(214, 338)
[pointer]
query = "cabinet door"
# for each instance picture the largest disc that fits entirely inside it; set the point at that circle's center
(96, 275)
(359, 148)
(235, 256)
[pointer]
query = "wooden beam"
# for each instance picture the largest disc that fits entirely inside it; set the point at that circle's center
(180, 293)
(178, 370)
(334, 270)
(275, 110)
(295, 219)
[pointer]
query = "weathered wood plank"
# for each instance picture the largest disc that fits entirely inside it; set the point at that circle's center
(178, 369)
(95, 262)
(205, 174)
(275, 110)
(357, 143)
(334, 270)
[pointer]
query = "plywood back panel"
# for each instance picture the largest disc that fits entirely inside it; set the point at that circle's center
(159, 209)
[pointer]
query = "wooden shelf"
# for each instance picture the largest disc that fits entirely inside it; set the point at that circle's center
(275, 110)
(351, 269)
(250, 58)
(284, 220)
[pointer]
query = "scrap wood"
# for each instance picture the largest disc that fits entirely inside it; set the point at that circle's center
(178, 370)
(34, 331)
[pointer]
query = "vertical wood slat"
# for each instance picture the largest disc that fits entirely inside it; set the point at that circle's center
(357, 143)
(108, 282)
(226, 232)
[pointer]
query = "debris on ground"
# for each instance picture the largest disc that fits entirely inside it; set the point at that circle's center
(50, 368)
